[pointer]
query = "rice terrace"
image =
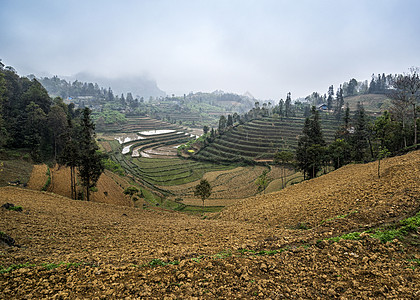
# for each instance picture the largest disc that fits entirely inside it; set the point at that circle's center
(209, 150)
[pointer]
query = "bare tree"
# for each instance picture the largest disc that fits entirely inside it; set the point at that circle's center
(405, 99)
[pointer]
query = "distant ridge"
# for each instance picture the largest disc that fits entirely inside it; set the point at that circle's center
(139, 85)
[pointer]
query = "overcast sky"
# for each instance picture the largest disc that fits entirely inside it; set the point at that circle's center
(266, 47)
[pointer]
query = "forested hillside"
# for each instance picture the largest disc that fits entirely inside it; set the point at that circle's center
(47, 130)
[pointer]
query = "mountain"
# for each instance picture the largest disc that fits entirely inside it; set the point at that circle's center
(139, 85)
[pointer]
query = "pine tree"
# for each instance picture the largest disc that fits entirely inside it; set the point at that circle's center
(330, 97)
(360, 139)
(288, 105)
(4, 136)
(340, 103)
(229, 121)
(70, 154)
(222, 124)
(311, 146)
(90, 160)
(35, 130)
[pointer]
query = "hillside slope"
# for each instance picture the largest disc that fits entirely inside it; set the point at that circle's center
(352, 189)
(259, 139)
(76, 249)
(108, 190)
(372, 103)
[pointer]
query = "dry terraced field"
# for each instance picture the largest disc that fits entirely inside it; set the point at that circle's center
(252, 250)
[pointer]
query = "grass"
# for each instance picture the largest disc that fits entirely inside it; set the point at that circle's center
(48, 182)
(13, 170)
(387, 234)
(261, 252)
(15, 267)
(47, 266)
(190, 209)
(158, 262)
(416, 263)
(404, 227)
(15, 208)
(339, 217)
(347, 236)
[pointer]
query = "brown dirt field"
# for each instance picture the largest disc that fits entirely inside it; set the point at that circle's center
(350, 188)
(108, 190)
(106, 146)
(116, 247)
(38, 177)
(60, 181)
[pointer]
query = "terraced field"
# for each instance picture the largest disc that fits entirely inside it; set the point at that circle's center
(175, 178)
(149, 157)
(136, 124)
(173, 171)
(259, 139)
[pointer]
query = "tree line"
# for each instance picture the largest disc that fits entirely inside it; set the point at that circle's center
(48, 129)
(361, 138)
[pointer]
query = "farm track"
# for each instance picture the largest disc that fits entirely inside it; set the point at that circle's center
(128, 253)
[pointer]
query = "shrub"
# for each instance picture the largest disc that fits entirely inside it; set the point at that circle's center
(113, 166)
(47, 184)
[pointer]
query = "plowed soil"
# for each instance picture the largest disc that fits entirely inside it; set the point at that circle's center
(113, 252)
(108, 190)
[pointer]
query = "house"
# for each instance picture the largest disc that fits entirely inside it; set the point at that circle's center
(323, 107)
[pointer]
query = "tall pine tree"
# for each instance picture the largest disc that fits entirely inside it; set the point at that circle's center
(311, 146)
(90, 160)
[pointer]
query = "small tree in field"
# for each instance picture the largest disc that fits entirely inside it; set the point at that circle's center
(262, 181)
(283, 158)
(203, 190)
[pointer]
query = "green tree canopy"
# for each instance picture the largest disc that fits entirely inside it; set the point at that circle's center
(203, 190)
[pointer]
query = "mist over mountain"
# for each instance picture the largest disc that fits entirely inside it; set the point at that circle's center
(138, 85)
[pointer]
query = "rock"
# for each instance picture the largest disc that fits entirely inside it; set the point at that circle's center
(263, 267)
(7, 239)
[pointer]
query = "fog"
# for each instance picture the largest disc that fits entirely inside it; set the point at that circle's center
(265, 47)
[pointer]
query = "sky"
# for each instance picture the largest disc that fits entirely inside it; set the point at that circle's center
(265, 47)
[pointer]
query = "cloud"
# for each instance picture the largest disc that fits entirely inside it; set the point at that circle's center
(266, 47)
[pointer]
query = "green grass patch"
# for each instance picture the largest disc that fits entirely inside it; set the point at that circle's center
(387, 234)
(347, 236)
(400, 231)
(339, 217)
(158, 262)
(15, 267)
(113, 166)
(222, 255)
(48, 182)
(48, 266)
(15, 208)
(261, 252)
(415, 262)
